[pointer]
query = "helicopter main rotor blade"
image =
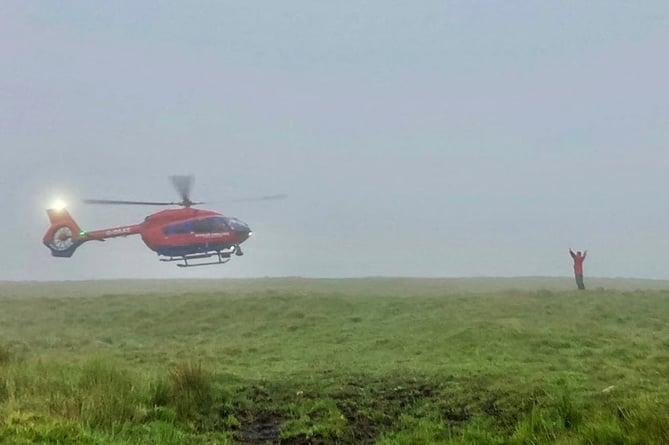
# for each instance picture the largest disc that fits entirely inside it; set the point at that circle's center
(117, 202)
(262, 198)
(251, 199)
(183, 184)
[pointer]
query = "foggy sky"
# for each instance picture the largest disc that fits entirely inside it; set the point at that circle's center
(433, 138)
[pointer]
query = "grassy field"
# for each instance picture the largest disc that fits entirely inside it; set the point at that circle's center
(368, 361)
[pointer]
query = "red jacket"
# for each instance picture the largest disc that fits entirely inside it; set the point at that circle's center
(578, 261)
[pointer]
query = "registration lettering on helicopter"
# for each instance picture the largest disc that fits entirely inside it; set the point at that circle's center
(210, 235)
(119, 231)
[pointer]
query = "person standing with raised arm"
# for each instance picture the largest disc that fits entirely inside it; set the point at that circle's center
(578, 267)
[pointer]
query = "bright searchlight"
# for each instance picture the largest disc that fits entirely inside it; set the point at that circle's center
(58, 204)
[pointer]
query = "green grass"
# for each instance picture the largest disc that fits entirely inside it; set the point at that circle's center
(387, 361)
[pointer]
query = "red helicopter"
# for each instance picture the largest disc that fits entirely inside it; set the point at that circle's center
(184, 234)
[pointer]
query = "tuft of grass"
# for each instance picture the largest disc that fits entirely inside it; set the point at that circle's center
(106, 396)
(417, 431)
(29, 428)
(602, 429)
(160, 393)
(478, 431)
(5, 355)
(314, 419)
(4, 389)
(569, 414)
(538, 427)
(190, 390)
(646, 421)
(166, 433)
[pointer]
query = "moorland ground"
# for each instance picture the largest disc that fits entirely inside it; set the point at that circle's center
(387, 361)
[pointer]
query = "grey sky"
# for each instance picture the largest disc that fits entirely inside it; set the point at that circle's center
(439, 138)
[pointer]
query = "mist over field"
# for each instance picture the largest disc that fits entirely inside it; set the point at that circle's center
(439, 160)
(440, 139)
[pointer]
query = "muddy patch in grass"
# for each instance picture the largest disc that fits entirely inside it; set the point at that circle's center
(371, 407)
(361, 409)
(260, 429)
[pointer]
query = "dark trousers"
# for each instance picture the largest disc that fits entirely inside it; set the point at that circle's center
(579, 281)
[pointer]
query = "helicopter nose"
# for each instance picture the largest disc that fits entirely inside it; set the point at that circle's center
(243, 235)
(243, 231)
(240, 228)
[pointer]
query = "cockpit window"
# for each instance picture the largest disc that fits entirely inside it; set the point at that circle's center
(236, 224)
(218, 225)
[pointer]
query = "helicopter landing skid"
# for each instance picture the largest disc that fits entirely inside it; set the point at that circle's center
(222, 258)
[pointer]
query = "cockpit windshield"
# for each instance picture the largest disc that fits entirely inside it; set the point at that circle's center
(218, 224)
(236, 224)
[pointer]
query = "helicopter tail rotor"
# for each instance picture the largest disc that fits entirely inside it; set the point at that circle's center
(64, 235)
